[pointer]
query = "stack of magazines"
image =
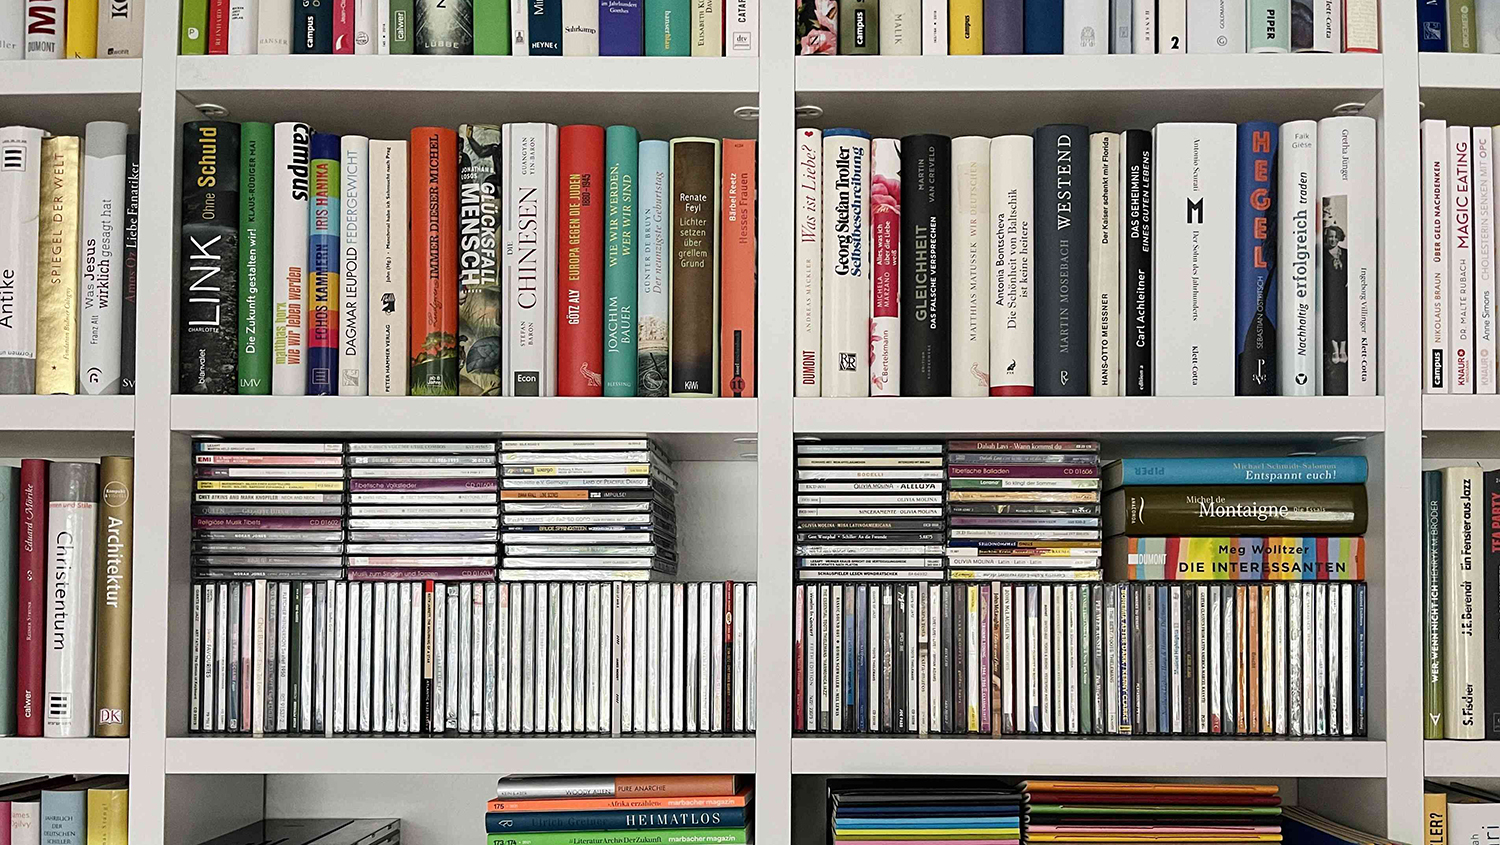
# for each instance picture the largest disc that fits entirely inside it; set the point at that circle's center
(937, 811)
(1082, 812)
(647, 809)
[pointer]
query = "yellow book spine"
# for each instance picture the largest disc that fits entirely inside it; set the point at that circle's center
(965, 27)
(112, 598)
(109, 817)
(81, 37)
(1435, 818)
(57, 269)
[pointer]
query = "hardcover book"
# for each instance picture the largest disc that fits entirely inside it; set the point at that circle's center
(1299, 365)
(72, 525)
(737, 352)
(101, 258)
(969, 253)
(846, 263)
(32, 617)
(312, 21)
(668, 26)
(809, 257)
(289, 259)
(1105, 366)
(112, 599)
(622, 28)
(323, 266)
(446, 27)
(45, 27)
(621, 152)
(492, 27)
(1216, 26)
(925, 220)
(1460, 250)
(531, 250)
(1231, 510)
(653, 299)
(479, 230)
(859, 27)
(1350, 272)
(433, 252)
(581, 28)
(209, 299)
(1137, 337)
(1044, 27)
(354, 266)
(580, 261)
(694, 266)
(257, 142)
(1435, 265)
(1012, 312)
(10, 510)
(388, 287)
(708, 20)
(544, 27)
(1062, 255)
(20, 192)
(1256, 299)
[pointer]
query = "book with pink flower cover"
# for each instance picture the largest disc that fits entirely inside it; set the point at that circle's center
(885, 241)
(818, 28)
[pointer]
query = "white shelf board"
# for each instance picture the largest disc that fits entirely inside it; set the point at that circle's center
(70, 77)
(1458, 70)
(44, 756)
(1099, 757)
(1461, 759)
(450, 755)
(67, 413)
(1459, 412)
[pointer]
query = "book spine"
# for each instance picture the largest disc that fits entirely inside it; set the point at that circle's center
(653, 298)
(580, 261)
(818, 28)
(479, 272)
(1139, 309)
(1255, 269)
(621, 28)
(1012, 314)
(530, 159)
(885, 302)
(293, 143)
(1490, 604)
(1464, 589)
(256, 190)
(1460, 262)
(353, 336)
(20, 193)
(737, 269)
(742, 28)
(1433, 626)
(1361, 29)
(694, 266)
(367, 26)
(1298, 366)
(899, 24)
(580, 36)
(323, 247)
(1269, 26)
(113, 598)
(1172, 25)
(1361, 357)
(64, 816)
(72, 523)
(32, 618)
(81, 31)
(446, 27)
(209, 300)
(1197, 359)
(244, 27)
(1435, 263)
(846, 263)
(58, 268)
(1044, 26)
(1105, 368)
(1275, 510)
(810, 261)
(859, 26)
(433, 253)
(403, 14)
(1350, 277)
(621, 150)
(274, 29)
(925, 222)
(934, 27)
(388, 290)
(545, 28)
(1086, 28)
(1143, 27)
(1062, 249)
(13, 31)
(973, 273)
(10, 490)
(130, 262)
(120, 29)
(1432, 26)
(1328, 18)
(708, 27)
(312, 21)
(193, 39)
(1216, 26)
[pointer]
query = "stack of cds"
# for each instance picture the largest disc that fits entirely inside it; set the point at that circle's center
(1023, 510)
(869, 511)
(1101, 811)
(588, 510)
(960, 811)
(422, 511)
(268, 510)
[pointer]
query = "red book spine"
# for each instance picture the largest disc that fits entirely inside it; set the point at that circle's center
(580, 261)
(31, 627)
(433, 256)
(218, 27)
(343, 26)
(737, 270)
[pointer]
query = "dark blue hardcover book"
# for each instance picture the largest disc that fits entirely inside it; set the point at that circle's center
(1432, 26)
(1255, 301)
(1060, 271)
(1004, 27)
(1163, 660)
(544, 23)
(622, 28)
(614, 820)
(312, 23)
(323, 265)
(1044, 28)
(1136, 264)
(862, 658)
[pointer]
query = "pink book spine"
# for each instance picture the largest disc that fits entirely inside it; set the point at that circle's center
(885, 293)
(343, 26)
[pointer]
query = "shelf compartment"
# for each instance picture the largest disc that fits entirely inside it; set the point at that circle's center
(1461, 759)
(1458, 412)
(67, 413)
(70, 77)
(88, 756)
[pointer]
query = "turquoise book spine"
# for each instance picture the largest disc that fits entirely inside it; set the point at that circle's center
(621, 144)
(667, 25)
(64, 813)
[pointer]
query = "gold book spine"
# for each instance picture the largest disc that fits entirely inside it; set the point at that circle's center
(108, 817)
(112, 599)
(57, 269)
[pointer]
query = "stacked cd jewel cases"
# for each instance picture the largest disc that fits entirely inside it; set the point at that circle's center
(601, 509)
(1024, 510)
(869, 511)
(423, 511)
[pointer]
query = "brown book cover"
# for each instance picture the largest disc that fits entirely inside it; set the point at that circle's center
(693, 333)
(1233, 510)
(112, 598)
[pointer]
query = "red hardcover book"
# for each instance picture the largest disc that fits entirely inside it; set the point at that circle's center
(580, 261)
(31, 606)
(433, 255)
(218, 27)
(737, 270)
(343, 26)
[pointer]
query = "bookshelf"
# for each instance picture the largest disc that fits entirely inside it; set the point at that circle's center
(736, 455)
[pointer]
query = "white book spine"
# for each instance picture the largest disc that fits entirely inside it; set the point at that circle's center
(707, 27)
(71, 525)
(1216, 26)
(289, 255)
(1435, 237)
(1328, 26)
(899, 24)
(1461, 259)
(846, 263)
(1487, 22)
(121, 25)
(12, 30)
(26, 823)
(244, 27)
(367, 26)
(580, 20)
(1300, 364)
(1194, 259)
(520, 43)
(1143, 27)
(969, 260)
(45, 27)
(1346, 187)
(742, 31)
(383, 27)
(530, 277)
(934, 27)
(274, 32)
(809, 261)
(1172, 23)
(20, 192)
(885, 289)
(1484, 266)
(387, 303)
(101, 253)
(1086, 27)
(1012, 320)
(354, 266)
(1105, 352)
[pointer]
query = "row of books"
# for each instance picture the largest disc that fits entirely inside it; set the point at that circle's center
(315, 832)
(465, 27)
(71, 29)
(703, 809)
(1063, 263)
(1457, 26)
(1458, 258)
(1458, 812)
(516, 260)
(69, 232)
(347, 657)
(65, 598)
(65, 809)
(1081, 27)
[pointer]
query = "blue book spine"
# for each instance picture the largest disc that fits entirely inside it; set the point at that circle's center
(1044, 27)
(323, 265)
(1004, 27)
(621, 28)
(64, 813)
(652, 297)
(1188, 471)
(1255, 301)
(544, 23)
(1163, 659)
(862, 658)
(1432, 26)
(313, 25)
(614, 820)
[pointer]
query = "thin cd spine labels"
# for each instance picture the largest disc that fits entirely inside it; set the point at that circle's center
(969, 257)
(1012, 320)
(1105, 353)
(1434, 256)
(809, 261)
(289, 259)
(1484, 272)
(1216, 26)
(1346, 188)
(1460, 261)
(388, 288)
(846, 263)
(1299, 359)
(101, 251)
(885, 291)
(354, 265)
(20, 193)
(45, 27)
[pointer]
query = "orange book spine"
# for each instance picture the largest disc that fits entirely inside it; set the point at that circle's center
(433, 244)
(544, 805)
(737, 270)
(674, 786)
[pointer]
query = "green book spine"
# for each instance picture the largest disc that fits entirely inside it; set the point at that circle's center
(194, 27)
(492, 27)
(403, 13)
(1463, 32)
(1270, 26)
(1432, 604)
(10, 488)
(683, 836)
(621, 144)
(667, 25)
(257, 160)
(859, 22)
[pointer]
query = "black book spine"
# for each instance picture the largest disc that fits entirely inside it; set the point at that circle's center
(925, 276)
(946, 628)
(960, 658)
(1138, 286)
(1061, 286)
(131, 261)
(312, 21)
(208, 306)
(1492, 604)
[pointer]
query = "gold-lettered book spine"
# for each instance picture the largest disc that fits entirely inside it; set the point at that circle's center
(108, 816)
(57, 269)
(112, 598)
